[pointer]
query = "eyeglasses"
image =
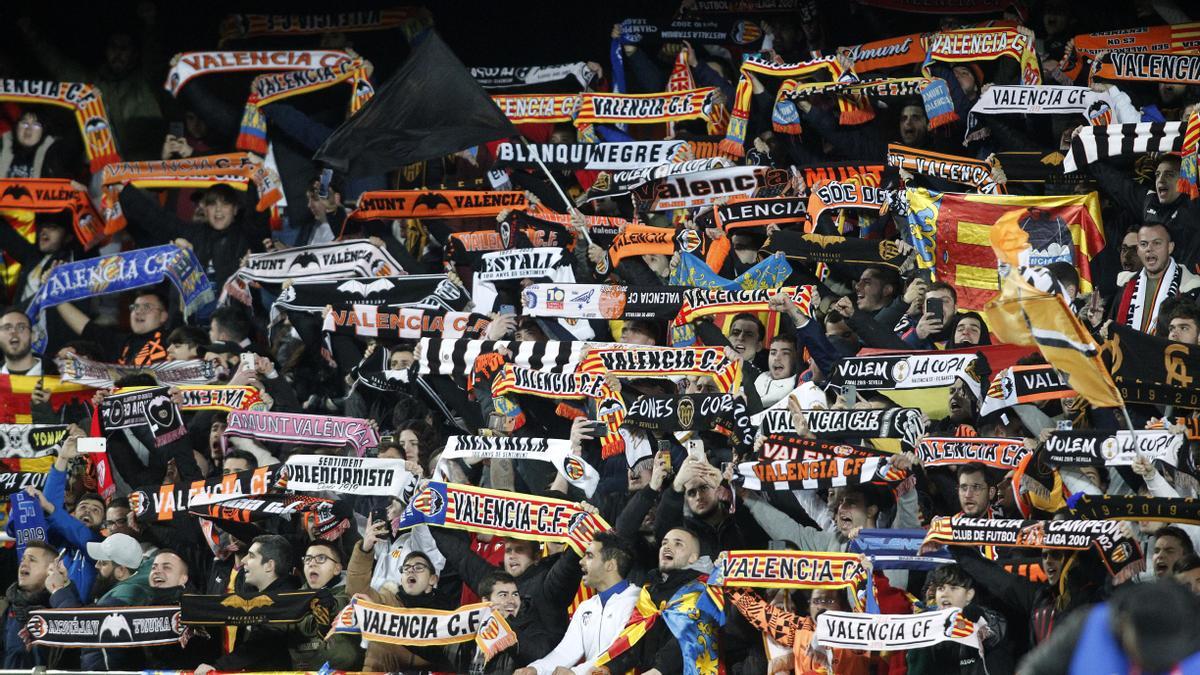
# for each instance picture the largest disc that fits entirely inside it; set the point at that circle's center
(18, 328)
(320, 559)
(144, 307)
(972, 487)
(29, 124)
(415, 568)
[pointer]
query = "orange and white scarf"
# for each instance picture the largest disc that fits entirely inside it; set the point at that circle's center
(187, 65)
(985, 44)
(242, 26)
(272, 87)
(88, 105)
(236, 169)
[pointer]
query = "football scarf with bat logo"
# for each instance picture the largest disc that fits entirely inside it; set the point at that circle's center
(335, 260)
(962, 170)
(526, 76)
(105, 627)
(1120, 553)
(631, 361)
(391, 204)
(831, 249)
(144, 407)
(415, 290)
(1025, 384)
(504, 514)
(738, 213)
(984, 44)
(914, 371)
(1121, 448)
(702, 302)
(806, 570)
(1154, 370)
(90, 373)
(86, 102)
(905, 424)
(419, 627)
(54, 195)
(406, 323)
(264, 608)
(224, 398)
(602, 301)
(186, 66)
(895, 632)
(692, 412)
(555, 451)
(280, 427)
(790, 447)
(671, 106)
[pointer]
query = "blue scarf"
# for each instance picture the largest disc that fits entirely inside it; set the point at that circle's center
(122, 272)
(692, 271)
(891, 549)
(26, 521)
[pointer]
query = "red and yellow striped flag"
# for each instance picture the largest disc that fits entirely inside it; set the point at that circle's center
(15, 392)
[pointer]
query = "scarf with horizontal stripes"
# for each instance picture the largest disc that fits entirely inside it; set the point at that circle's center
(638, 361)
(968, 45)
(200, 172)
(280, 427)
(999, 453)
(853, 110)
(390, 204)
(939, 109)
(272, 87)
(85, 100)
(579, 385)
(668, 106)
(702, 302)
(806, 570)
(821, 473)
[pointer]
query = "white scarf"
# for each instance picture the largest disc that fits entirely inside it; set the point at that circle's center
(1168, 286)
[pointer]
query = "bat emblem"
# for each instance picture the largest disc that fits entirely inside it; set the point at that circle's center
(247, 605)
(116, 625)
(95, 125)
(305, 259)
(432, 200)
(17, 192)
(358, 287)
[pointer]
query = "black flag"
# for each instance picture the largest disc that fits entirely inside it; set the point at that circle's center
(431, 107)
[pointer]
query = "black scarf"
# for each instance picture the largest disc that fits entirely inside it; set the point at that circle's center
(21, 602)
(692, 412)
(1135, 507)
(1149, 369)
(820, 248)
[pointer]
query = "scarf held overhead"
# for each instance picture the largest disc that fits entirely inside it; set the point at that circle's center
(300, 429)
(187, 65)
(84, 100)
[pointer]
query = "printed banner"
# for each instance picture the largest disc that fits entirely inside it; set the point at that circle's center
(833, 195)
(335, 260)
(280, 427)
(391, 204)
(555, 451)
(787, 569)
(103, 375)
(160, 503)
(998, 453)
(125, 271)
(895, 632)
(590, 156)
(504, 514)
(347, 475)
(105, 627)
(1100, 448)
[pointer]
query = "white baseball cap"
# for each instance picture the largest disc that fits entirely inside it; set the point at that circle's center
(119, 548)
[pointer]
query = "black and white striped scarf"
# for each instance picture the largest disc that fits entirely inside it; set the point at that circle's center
(456, 357)
(1142, 312)
(1110, 140)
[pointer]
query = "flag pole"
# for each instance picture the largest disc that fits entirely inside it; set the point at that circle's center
(558, 188)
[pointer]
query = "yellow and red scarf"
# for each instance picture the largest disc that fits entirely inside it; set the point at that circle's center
(272, 87)
(85, 100)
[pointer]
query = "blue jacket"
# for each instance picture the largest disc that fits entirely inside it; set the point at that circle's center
(16, 654)
(69, 532)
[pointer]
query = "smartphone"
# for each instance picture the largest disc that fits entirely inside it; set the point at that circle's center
(934, 306)
(248, 361)
(381, 515)
(1064, 425)
(175, 129)
(777, 545)
(664, 447)
(695, 449)
(596, 429)
(326, 177)
(92, 444)
(507, 309)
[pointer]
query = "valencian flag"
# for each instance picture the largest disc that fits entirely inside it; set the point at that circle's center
(950, 234)
(431, 107)
(1024, 315)
(16, 390)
